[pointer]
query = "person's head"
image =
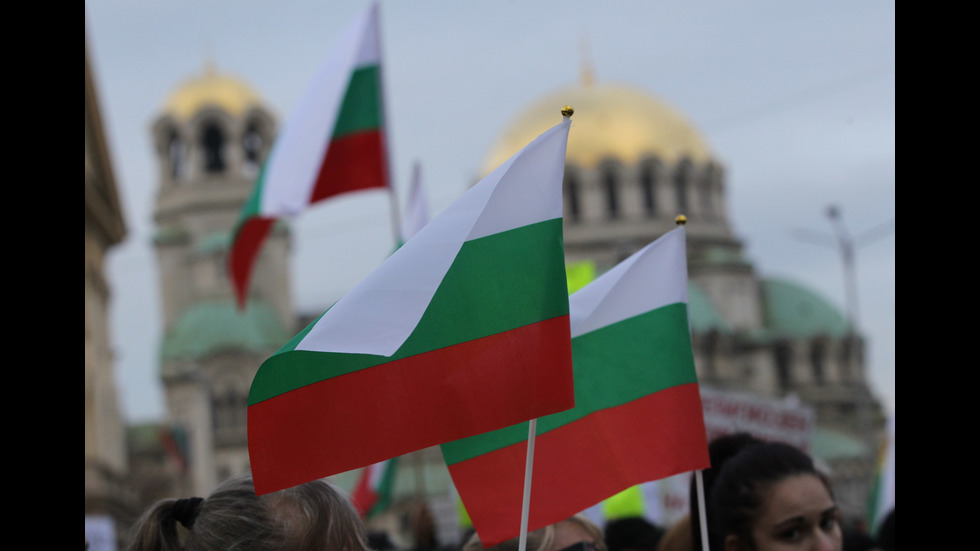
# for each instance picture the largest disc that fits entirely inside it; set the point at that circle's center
(315, 515)
(769, 496)
(856, 540)
(678, 536)
(632, 534)
(379, 540)
(719, 450)
(886, 532)
(573, 531)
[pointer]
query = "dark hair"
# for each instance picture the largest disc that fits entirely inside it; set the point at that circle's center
(853, 539)
(886, 532)
(742, 468)
(632, 533)
(315, 515)
(719, 450)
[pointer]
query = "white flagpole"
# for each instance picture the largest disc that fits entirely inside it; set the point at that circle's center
(701, 514)
(566, 112)
(396, 224)
(532, 428)
(681, 220)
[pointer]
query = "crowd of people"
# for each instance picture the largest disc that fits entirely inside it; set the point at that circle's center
(758, 496)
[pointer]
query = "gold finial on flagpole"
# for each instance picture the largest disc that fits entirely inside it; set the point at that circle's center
(567, 111)
(680, 220)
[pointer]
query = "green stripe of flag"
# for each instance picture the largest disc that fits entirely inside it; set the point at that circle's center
(658, 356)
(361, 108)
(253, 207)
(476, 267)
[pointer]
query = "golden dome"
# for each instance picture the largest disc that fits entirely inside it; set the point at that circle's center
(609, 121)
(214, 90)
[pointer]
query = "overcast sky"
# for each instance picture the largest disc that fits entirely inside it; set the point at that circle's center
(797, 99)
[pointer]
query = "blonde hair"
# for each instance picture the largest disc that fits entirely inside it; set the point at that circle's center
(542, 538)
(315, 515)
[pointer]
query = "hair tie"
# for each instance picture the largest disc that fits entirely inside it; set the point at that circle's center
(185, 510)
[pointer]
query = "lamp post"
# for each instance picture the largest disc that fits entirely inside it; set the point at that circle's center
(846, 246)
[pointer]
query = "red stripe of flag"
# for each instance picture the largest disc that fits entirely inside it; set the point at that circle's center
(471, 376)
(354, 162)
(649, 452)
(243, 252)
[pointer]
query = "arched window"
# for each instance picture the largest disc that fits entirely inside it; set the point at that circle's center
(648, 187)
(610, 188)
(711, 348)
(213, 143)
(706, 188)
(573, 190)
(252, 143)
(850, 358)
(176, 152)
(229, 409)
(818, 355)
(784, 365)
(682, 182)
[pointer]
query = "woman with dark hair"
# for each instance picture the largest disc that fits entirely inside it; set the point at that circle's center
(767, 496)
(315, 515)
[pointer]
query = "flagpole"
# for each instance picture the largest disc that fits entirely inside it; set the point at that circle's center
(525, 506)
(699, 479)
(566, 112)
(392, 196)
(681, 220)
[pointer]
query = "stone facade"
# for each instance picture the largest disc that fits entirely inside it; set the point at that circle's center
(210, 141)
(106, 466)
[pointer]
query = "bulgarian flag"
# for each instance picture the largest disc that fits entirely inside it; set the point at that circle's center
(881, 500)
(462, 330)
(637, 414)
(373, 490)
(332, 143)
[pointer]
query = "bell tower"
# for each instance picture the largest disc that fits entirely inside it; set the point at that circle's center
(210, 140)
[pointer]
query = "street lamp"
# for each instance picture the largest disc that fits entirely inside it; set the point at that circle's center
(846, 246)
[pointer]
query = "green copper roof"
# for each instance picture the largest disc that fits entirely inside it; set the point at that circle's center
(214, 242)
(170, 235)
(829, 444)
(210, 326)
(704, 315)
(724, 255)
(791, 310)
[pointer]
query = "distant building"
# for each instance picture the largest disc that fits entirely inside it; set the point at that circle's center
(210, 138)
(107, 501)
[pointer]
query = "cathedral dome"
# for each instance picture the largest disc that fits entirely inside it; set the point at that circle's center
(794, 311)
(212, 89)
(610, 121)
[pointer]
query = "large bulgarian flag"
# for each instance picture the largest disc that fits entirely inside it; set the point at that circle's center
(637, 414)
(333, 143)
(462, 330)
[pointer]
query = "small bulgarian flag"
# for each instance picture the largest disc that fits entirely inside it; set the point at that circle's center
(462, 330)
(881, 499)
(333, 143)
(637, 414)
(373, 491)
